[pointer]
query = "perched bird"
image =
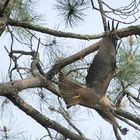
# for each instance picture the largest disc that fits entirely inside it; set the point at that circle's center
(100, 73)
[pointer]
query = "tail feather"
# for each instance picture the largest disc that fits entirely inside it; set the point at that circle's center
(123, 130)
(67, 90)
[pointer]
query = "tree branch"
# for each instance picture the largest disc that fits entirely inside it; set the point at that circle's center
(128, 115)
(103, 15)
(127, 122)
(116, 133)
(66, 61)
(124, 32)
(7, 88)
(41, 119)
(65, 116)
(6, 11)
(32, 82)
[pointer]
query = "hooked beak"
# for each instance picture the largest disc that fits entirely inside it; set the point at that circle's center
(107, 104)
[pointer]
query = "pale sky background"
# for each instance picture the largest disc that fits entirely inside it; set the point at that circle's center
(90, 123)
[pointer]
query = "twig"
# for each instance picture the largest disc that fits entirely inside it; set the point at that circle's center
(103, 15)
(126, 121)
(41, 119)
(116, 133)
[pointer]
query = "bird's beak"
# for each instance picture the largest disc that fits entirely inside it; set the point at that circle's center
(106, 103)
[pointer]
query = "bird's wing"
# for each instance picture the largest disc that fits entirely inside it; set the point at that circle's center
(68, 90)
(102, 68)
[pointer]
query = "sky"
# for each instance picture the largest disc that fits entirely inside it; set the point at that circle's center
(92, 122)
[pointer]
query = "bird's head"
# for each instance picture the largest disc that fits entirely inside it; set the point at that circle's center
(107, 103)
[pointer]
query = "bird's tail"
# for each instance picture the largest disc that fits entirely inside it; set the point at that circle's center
(123, 130)
(68, 90)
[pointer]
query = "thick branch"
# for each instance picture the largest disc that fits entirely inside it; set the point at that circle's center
(32, 82)
(128, 115)
(124, 32)
(77, 56)
(4, 16)
(41, 119)
(19, 85)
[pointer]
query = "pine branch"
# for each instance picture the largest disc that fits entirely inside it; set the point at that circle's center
(41, 119)
(124, 32)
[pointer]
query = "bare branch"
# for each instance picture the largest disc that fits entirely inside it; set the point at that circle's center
(129, 123)
(32, 82)
(103, 15)
(66, 61)
(116, 133)
(41, 119)
(128, 115)
(64, 114)
(124, 32)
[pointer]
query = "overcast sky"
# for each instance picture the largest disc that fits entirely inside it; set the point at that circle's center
(90, 123)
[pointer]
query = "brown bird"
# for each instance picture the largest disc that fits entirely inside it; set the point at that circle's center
(99, 75)
(73, 94)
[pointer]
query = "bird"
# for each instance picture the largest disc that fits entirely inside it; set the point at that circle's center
(98, 78)
(99, 75)
(74, 94)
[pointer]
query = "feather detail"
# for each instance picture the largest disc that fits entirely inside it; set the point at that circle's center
(68, 90)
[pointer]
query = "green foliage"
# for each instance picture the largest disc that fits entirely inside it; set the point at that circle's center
(72, 11)
(129, 64)
(24, 11)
